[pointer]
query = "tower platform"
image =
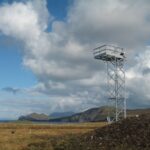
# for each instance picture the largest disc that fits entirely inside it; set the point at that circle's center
(109, 53)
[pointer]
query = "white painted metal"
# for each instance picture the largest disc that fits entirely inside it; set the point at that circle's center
(114, 57)
(107, 52)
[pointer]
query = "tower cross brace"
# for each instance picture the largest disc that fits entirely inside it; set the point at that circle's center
(114, 57)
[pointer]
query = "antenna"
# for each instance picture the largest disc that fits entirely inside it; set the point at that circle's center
(114, 57)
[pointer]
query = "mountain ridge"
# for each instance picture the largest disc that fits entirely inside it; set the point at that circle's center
(91, 115)
(61, 114)
(34, 117)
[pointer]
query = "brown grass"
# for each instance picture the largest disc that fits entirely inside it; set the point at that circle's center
(20, 136)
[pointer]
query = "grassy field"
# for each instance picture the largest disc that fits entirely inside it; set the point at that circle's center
(27, 136)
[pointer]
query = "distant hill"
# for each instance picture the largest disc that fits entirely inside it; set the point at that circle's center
(90, 115)
(97, 114)
(34, 117)
(61, 114)
(44, 117)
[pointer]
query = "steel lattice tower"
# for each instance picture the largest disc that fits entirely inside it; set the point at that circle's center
(114, 57)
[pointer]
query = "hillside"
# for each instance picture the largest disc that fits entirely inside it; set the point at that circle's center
(61, 114)
(34, 117)
(130, 134)
(90, 115)
(96, 114)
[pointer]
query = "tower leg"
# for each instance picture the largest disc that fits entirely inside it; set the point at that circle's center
(116, 89)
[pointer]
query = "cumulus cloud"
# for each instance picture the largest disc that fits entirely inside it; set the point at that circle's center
(62, 59)
(111, 21)
(138, 79)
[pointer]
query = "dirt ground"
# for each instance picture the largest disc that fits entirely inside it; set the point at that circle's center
(129, 134)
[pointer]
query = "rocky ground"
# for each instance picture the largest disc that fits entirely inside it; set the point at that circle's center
(129, 134)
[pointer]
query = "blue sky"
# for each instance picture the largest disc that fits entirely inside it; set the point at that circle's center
(13, 73)
(46, 55)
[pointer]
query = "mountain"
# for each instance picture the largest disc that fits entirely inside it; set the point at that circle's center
(90, 115)
(34, 117)
(97, 114)
(61, 114)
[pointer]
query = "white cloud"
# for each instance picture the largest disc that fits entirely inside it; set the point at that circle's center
(111, 21)
(138, 78)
